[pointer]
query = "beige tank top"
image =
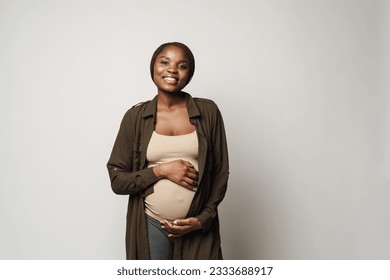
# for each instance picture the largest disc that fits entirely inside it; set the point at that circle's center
(169, 200)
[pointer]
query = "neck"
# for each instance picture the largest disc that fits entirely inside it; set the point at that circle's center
(170, 100)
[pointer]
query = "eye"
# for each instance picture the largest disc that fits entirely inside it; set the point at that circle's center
(183, 66)
(164, 62)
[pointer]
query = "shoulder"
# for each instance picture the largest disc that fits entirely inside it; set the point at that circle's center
(140, 104)
(139, 107)
(204, 101)
(135, 110)
(206, 106)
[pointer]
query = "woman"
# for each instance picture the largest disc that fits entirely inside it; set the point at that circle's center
(170, 157)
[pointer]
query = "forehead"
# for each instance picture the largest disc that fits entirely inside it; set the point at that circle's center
(173, 52)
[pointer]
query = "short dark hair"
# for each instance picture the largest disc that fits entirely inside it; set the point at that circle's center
(187, 51)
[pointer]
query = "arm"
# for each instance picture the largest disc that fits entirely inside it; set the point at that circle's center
(220, 173)
(120, 164)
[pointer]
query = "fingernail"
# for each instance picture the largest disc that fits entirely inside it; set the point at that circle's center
(175, 222)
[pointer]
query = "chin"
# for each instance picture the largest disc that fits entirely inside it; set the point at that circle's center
(172, 91)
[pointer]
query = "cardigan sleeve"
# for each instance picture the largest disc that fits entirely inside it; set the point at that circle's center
(124, 180)
(220, 172)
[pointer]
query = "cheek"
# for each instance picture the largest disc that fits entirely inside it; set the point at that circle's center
(185, 76)
(158, 69)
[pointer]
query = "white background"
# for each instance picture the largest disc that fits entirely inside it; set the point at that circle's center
(302, 88)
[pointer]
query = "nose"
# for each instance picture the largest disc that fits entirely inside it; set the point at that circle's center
(172, 70)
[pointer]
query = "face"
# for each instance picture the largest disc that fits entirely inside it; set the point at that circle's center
(171, 70)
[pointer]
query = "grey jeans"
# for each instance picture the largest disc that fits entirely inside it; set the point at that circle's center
(160, 246)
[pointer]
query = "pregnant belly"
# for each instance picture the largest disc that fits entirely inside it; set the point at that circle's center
(169, 201)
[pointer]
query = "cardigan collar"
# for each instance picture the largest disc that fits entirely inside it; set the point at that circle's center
(151, 107)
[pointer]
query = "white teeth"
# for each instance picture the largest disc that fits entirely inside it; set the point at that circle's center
(170, 79)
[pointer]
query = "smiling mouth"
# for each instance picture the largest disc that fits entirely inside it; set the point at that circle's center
(170, 79)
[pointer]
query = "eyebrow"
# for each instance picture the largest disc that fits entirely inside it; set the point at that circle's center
(163, 56)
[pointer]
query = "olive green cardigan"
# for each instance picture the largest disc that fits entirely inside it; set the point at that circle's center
(129, 175)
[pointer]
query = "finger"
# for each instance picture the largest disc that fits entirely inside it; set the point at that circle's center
(176, 229)
(187, 163)
(167, 230)
(191, 182)
(190, 166)
(166, 225)
(192, 175)
(192, 170)
(187, 185)
(173, 235)
(189, 224)
(182, 222)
